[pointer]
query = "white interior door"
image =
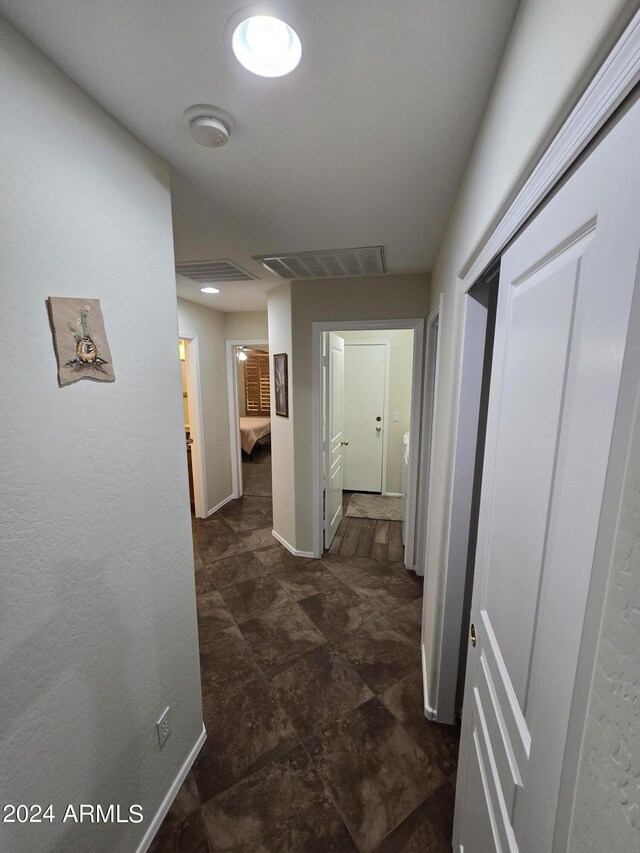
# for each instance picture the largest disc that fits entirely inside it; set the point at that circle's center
(334, 442)
(564, 304)
(364, 415)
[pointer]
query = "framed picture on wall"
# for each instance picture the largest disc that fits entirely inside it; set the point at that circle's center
(281, 384)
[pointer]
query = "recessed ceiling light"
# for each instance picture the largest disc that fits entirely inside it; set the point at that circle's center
(267, 46)
(209, 289)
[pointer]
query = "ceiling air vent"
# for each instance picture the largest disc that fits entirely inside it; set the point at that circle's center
(326, 264)
(206, 271)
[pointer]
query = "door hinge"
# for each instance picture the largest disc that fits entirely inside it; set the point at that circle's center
(324, 507)
(325, 361)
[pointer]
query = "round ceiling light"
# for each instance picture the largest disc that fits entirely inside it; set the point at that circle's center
(209, 289)
(266, 46)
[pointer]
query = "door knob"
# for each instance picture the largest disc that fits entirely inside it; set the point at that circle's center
(472, 636)
(378, 428)
(344, 443)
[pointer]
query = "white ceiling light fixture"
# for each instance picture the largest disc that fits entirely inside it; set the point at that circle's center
(209, 289)
(265, 44)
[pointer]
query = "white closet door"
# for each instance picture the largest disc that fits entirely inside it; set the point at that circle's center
(566, 288)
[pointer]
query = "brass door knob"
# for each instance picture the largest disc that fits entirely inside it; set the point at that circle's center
(472, 636)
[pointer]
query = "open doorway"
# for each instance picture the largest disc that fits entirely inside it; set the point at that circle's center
(369, 393)
(250, 417)
(190, 374)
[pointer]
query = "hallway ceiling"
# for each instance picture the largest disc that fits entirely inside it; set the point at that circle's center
(364, 144)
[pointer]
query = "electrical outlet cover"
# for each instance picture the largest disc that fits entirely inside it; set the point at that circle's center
(163, 727)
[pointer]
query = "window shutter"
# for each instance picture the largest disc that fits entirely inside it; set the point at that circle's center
(257, 389)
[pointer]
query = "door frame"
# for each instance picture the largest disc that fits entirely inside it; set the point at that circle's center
(429, 418)
(237, 485)
(417, 326)
(196, 423)
(387, 358)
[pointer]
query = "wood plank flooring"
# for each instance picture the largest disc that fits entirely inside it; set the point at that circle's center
(366, 537)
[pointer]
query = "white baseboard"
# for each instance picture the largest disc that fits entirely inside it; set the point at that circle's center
(429, 712)
(290, 548)
(171, 794)
(393, 495)
(220, 505)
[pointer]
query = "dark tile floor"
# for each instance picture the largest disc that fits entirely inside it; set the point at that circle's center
(312, 700)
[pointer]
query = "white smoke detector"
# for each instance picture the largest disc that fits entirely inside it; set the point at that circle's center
(209, 125)
(209, 131)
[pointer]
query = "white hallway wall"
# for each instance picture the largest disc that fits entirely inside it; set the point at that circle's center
(97, 602)
(554, 49)
(208, 325)
(607, 798)
(284, 495)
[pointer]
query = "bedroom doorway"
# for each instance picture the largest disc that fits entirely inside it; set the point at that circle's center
(248, 381)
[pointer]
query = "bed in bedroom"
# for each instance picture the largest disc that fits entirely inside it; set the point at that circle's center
(253, 430)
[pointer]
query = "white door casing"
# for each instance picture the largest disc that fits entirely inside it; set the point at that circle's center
(334, 408)
(365, 375)
(566, 288)
(194, 392)
(234, 418)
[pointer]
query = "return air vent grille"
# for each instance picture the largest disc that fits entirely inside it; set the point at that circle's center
(326, 264)
(206, 271)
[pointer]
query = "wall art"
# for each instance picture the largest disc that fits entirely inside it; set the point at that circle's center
(80, 340)
(281, 384)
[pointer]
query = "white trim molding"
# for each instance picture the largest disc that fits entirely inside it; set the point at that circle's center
(237, 485)
(196, 423)
(290, 548)
(220, 505)
(171, 794)
(429, 712)
(616, 78)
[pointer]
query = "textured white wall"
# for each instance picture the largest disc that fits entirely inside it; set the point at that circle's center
(284, 502)
(554, 48)
(606, 812)
(208, 325)
(97, 605)
(246, 325)
(399, 399)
